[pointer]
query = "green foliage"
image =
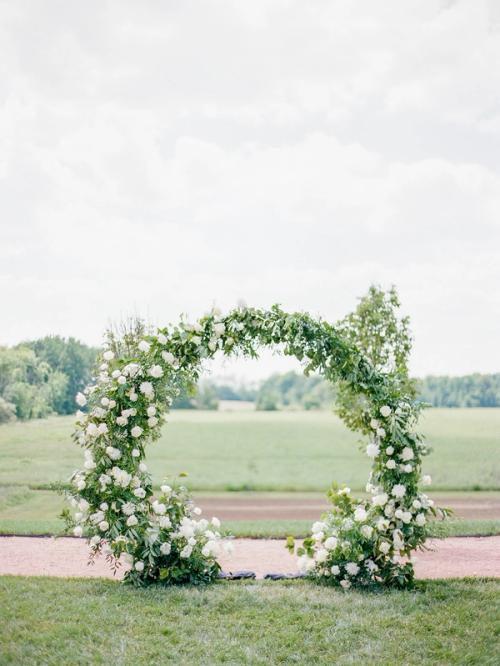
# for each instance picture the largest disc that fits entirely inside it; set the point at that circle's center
(73, 360)
(294, 391)
(7, 411)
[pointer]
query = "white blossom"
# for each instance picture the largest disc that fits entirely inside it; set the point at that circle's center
(352, 568)
(398, 490)
(81, 399)
(165, 548)
(104, 525)
(139, 566)
(144, 346)
(136, 431)
(372, 450)
(78, 531)
(407, 454)
(360, 514)
(385, 411)
(108, 355)
(168, 357)
(132, 520)
(114, 454)
(156, 371)
(426, 480)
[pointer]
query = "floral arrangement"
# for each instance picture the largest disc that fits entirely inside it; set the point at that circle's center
(165, 540)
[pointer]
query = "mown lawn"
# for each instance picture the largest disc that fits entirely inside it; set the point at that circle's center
(59, 622)
(299, 451)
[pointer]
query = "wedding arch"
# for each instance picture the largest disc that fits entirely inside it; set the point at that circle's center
(358, 542)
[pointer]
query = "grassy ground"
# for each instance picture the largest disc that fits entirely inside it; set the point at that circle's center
(101, 622)
(264, 451)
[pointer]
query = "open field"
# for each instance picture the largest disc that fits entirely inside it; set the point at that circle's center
(298, 451)
(101, 622)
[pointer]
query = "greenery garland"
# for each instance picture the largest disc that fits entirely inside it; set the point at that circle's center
(357, 541)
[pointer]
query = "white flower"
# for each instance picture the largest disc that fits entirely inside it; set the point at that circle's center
(420, 519)
(331, 543)
(122, 380)
(390, 464)
(318, 527)
(136, 431)
(407, 469)
(115, 374)
(152, 421)
(102, 428)
(80, 484)
(374, 424)
(196, 340)
(151, 410)
(104, 401)
(103, 525)
(384, 547)
(389, 450)
(121, 420)
(139, 566)
(417, 504)
(165, 548)
(398, 490)
(371, 566)
(321, 555)
(219, 329)
(146, 388)
(144, 346)
(133, 396)
(211, 548)
(380, 500)
(406, 517)
(95, 540)
(335, 570)
(89, 464)
(166, 490)
(385, 411)
(91, 430)
(128, 508)
(352, 568)
(367, 531)
(81, 399)
(186, 552)
(197, 511)
(162, 339)
(104, 479)
(140, 493)
(360, 514)
(168, 357)
(215, 522)
(83, 505)
(132, 520)
(165, 522)
(372, 450)
(114, 454)
(135, 453)
(381, 433)
(122, 478)
(407, 454)
(143, 467)
(156, 371)
(108, 355)
(78, 531)
(345, 583)
(426, 480)
(159, 508)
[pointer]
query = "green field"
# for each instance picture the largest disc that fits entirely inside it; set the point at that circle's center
(101, 622)
(298, 451)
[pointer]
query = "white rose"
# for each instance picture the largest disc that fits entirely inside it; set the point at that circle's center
(381, 433)
(133, 396)
(345, 583)
(367, 531)
(165, 548)
(152, 421)
(104, 401)
(420, 519)
(151, 410)
(164, 522)
(407, 469)
(380, 500)
(372, 450)
(135, 453)
(417, 504)
(121, 420)
(384, 547)
(139, 566)
(389, 450)
(95, 540)
(162, 339)
(144, 346)
(407, 454)
(360, 514)
(81, 399)
(374, 424)
(385, 411)
(186, 552)
(146, 388)
(122, 380)
(331, 543)
(159, 509)
(390, 464)
(115, 374)
(102, 428)
(215, 522)
(114, 454)
(78, 531)
(168, 357)
(92, 429)
(128, 508)
(212, 345)
(398, 490)
(321, 555)
(104, 506)
(166, 490)
(197, 511)
(219, 329)
(136, 431)
(108, 355)
(103, 525)
(83, 505)
(140, 493)
(156, 371)
(335, 570)
(132, 520)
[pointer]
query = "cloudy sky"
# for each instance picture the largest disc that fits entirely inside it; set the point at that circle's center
(160, 157)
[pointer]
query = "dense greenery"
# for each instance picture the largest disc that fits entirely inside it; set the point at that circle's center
(255, 623)
(42, 377)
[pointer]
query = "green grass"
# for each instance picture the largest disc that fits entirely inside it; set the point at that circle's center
(299, 451)
(58, 622)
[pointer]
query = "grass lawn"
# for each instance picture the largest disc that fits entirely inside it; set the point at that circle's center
(58, 621)
(299, 451)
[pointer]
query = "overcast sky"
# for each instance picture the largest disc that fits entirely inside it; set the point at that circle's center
(160, 157)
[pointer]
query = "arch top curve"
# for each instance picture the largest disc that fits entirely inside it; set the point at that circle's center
(358, 542)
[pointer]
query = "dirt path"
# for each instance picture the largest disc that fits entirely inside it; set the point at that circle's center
(307, 508)
(450, 558)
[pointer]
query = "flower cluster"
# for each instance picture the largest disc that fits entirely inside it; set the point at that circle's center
(164, 540)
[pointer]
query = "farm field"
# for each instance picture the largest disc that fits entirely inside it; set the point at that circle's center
(99, 621)
(287, 451)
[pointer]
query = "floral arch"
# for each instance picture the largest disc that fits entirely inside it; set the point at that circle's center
(358, 542)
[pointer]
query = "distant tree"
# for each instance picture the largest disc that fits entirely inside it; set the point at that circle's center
(70, 357)
(206, 397)
(7, 411)
(267, 401)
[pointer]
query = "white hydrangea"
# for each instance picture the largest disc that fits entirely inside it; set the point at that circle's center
(372, 450)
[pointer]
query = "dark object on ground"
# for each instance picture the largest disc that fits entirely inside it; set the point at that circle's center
(283, 576)
(236, 575)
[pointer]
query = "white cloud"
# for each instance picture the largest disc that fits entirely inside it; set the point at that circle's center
(157, 158)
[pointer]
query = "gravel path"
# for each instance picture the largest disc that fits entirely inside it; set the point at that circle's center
(449, 558)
